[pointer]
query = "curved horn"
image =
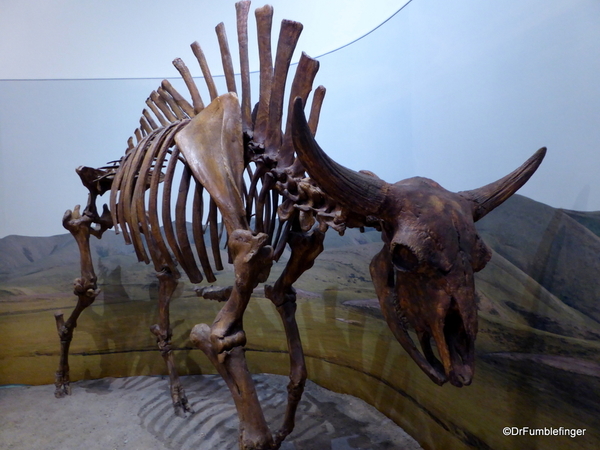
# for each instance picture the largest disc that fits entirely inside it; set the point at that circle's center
(362, 193)
(488, 197)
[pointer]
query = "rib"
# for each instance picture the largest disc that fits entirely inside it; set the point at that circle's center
(152, 210)
(273, 220)
(253, 194)
(115, 191)
(156, 247)
(263, 201)
(180, 213)
(213, 223)
(186, 259)
(282, 240)
(199, 234)
(126, 198)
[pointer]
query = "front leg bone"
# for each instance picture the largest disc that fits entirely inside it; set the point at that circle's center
(252, 261)
(223, 342)
(305, 249)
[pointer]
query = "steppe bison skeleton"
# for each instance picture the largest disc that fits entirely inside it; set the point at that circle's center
(255, 176)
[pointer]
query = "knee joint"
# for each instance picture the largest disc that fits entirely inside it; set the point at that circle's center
(280, 297)
(163, 338)
(223, 343)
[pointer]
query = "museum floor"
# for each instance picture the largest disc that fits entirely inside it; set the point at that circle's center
(135, 413)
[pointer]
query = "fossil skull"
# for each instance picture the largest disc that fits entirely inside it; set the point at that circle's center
(424, 275)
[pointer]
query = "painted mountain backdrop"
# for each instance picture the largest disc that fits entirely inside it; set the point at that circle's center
(538, 347)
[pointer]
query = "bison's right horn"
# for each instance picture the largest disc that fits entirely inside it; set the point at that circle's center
(362, 193)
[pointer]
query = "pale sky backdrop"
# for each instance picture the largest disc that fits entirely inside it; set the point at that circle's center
(461, 91)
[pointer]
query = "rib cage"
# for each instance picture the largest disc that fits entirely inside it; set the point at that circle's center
(142, 181)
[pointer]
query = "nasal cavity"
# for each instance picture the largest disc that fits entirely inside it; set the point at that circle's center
(404, 258)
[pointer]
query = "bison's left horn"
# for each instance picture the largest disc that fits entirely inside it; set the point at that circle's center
(363, 194)
(488, 197)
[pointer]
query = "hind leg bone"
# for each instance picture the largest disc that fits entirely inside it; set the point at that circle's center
(85, 288)
(167, 282)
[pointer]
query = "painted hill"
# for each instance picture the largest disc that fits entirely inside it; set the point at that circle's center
(538, 349)
(556, 250)
(543, 273)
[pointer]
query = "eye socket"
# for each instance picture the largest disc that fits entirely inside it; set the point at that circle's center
(481, 254)
(404, 259)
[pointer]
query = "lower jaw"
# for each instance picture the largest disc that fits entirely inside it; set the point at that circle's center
(454, 376)
(456, 383)
(459, 381)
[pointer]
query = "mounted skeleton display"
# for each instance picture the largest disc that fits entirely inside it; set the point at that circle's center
(259, 194)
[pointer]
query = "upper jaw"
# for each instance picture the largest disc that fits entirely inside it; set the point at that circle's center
(457, 369)
(454, 361)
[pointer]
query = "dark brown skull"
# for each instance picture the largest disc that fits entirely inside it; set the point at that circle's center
(424, 273)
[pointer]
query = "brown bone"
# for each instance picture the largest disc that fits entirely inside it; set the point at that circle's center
(226, 58)
(264, 22)
(242, 9)
(212, 88)
(423, 275)
(288, 38)
(431, 250)
(365, 193)
(191, 85)
(218, 163)
(486, 198)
